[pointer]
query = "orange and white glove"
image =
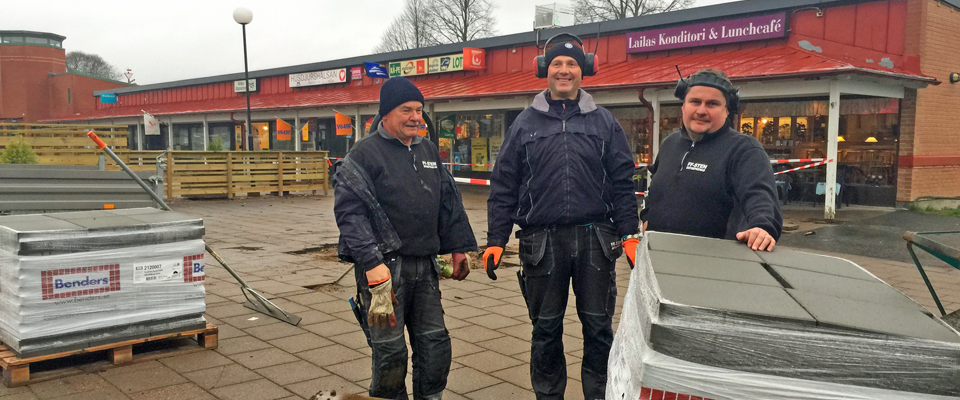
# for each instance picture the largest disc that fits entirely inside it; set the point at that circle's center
(491, 260)
(630, 243)
(461, 266)
(382, 299)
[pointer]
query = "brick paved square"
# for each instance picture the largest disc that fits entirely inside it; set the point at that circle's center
(332, 327)
(70, 385)
(181, 391)
(502, 391)
(473, 333)
(145, 379)
(331, 355)
(466, 379)
(488, 361)
(519, 375)
(309, 388)
(493, 321)
(241, 344)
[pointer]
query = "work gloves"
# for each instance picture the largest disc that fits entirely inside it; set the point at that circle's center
(630, 243)
(382, 299)
(491, 260)
(461, 266)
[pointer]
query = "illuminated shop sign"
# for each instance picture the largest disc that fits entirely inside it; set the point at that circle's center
(710, 33)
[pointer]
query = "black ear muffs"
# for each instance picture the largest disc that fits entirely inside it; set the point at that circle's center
(705, 79)
(590, 67)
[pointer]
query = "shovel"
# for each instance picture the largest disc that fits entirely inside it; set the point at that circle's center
(258, 303)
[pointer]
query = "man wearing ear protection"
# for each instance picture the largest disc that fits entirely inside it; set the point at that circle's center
(564, 176)
(708, 179)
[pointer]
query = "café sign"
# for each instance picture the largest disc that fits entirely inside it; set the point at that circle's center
(709, 33)
(318, 77)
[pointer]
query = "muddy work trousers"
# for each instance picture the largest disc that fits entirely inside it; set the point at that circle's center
(417, 289)
(550, 258)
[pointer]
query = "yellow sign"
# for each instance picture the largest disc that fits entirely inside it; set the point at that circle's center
(480, 155)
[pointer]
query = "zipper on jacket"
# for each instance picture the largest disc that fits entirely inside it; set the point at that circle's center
(682, 160)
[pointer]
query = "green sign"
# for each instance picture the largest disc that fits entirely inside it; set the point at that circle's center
(394, 69)
(448, 126)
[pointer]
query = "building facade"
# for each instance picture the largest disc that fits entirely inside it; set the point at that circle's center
(863, 85)
(35, 84)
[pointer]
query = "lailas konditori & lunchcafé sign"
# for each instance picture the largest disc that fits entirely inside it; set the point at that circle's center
(709, 33)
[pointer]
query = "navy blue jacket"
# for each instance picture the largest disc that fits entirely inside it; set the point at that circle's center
(716, 187)
(562, 163)
(386, 191)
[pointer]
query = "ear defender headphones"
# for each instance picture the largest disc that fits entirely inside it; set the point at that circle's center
(715, 81)
(589, 67)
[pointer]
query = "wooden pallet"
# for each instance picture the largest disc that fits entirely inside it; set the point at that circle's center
(16, 370)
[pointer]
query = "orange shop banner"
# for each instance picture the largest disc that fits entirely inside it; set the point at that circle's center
(344, 124)
(283, 130)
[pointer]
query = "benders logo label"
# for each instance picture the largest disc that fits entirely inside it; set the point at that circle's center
(72, 282)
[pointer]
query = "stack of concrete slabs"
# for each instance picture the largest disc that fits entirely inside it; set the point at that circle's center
(796, 314)
(109, 240)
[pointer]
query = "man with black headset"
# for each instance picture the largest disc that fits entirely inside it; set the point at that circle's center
(564, 176)
(708, 179)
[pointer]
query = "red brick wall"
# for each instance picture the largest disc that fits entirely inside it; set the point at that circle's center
(24, 83)
(930, 138)
(81, 99)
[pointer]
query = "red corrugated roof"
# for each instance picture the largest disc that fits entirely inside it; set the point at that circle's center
(740, 65)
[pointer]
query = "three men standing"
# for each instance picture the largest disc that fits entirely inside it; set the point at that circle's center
(564, 176)
(397, 207)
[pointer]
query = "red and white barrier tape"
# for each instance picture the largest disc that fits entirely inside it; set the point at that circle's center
(805, 166)
(793, 160)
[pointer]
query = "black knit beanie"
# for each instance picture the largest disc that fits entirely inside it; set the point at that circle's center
(569, 49)
(396, 91)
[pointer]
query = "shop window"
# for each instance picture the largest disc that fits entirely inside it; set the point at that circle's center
(636, 126)
(477, 138)
(262, 130)
(188, 137)
(220, 137)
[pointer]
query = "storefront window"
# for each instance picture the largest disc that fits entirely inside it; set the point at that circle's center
(188, 137)
(634, 121)
(476, 142)
(220, 137)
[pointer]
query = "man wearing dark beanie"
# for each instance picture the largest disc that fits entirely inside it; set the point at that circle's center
(393, 222)
(564, 176)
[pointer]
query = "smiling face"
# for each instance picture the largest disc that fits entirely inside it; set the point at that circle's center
(403, 122)
(704, 111)
(564, 76)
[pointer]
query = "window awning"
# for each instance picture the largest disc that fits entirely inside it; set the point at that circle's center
(768, 63)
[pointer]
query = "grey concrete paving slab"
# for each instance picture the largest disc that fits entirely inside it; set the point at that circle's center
(466, 379)
(222, 376)
(241, 344)
(723, 269)
(330, 355)
(354, 370)
(263, 358)
(685, 244)
(501, 391)
(306, 389)
(276, 330)
(332, 327)
(873, 317)
(181, 391)
(298, 343)
(297, 371)
(260, 389)
(69, 385)
(145, 379)
(737, 297)
(488, 361)
(814, 262)
(848, 288)
(107, 393)
(195, 361)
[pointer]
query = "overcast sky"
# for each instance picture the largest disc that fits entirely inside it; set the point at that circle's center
(170, 40)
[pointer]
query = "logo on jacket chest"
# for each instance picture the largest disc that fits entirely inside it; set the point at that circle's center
(430, 164)
(697, 167)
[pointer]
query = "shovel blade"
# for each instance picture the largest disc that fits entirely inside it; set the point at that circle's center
(273, 312)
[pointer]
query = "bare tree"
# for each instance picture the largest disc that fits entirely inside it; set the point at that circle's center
(91, 64)
(607, 10)
(412, 29)
(463, 20)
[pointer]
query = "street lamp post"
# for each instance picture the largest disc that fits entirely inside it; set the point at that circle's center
(244, 16)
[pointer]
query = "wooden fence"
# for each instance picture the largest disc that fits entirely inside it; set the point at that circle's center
(231, 172)
(188, 173)
(64, 144)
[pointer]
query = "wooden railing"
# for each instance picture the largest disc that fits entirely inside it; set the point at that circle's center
(231, 172)
(64, 144)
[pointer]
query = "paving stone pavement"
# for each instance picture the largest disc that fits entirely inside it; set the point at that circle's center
(273, 243)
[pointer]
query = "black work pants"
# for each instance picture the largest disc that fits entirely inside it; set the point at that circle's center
(416, 286)
(550, 258)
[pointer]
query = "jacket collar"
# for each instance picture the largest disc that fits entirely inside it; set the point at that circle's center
(386, 135)
(586, 102)
(706, 137)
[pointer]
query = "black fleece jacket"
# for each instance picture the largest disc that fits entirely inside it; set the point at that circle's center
(715, 187)
(411, 187)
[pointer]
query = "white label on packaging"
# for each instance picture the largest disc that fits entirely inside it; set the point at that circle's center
(158, 271)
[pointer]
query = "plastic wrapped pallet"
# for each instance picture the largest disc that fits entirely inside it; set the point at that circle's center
(75, 280)
(709, 319)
